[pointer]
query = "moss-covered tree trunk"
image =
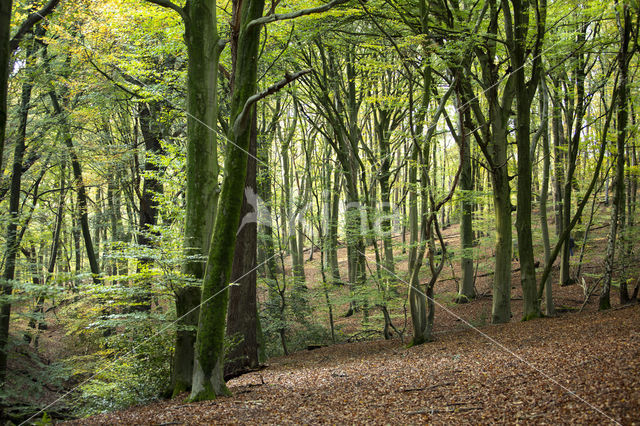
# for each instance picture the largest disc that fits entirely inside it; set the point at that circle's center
(494, 146)
(203, 49)
(208, 381)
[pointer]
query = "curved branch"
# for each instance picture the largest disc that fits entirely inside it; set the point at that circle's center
(30, 22)
(244, 114)
(292, 15)
(171, 5)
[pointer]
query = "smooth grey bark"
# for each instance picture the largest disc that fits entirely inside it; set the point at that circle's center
(544, 194)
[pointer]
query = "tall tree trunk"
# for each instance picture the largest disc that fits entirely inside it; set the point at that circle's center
(544, 195)
(572, 156)
(203, 49)
(517, 28)
(208, 380)
(558, 160)
(266, 250)
(494, 147)
(466, 290)
(501, 304)
(55, 244)
(332, 234)
(12, 243)
(8, 46)
(5, 54)
(617, 211)
(242, 316)
(151, 189)
(81, 191)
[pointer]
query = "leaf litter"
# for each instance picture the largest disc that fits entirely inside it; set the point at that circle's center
(580, 368)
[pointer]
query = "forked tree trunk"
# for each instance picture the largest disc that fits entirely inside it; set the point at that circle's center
(208, 381)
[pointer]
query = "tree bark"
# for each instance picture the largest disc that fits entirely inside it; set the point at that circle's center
(466, 290)
(618, 195)
(242, 316)
(81, 191)
(544, 195)
(12, 242)
(151, 189)
(208, 380)
(203, 50)
(517, 28)
(5, 55)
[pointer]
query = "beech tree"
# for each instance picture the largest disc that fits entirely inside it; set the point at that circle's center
(203, 50)
(137, 163)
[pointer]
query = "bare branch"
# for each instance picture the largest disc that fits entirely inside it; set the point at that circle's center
(244, 114)
(171, 5)
(292, 15)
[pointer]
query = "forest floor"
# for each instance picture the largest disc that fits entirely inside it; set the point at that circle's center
(579, 368)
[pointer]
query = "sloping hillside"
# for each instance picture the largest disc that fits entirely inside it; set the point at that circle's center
(584, 370)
